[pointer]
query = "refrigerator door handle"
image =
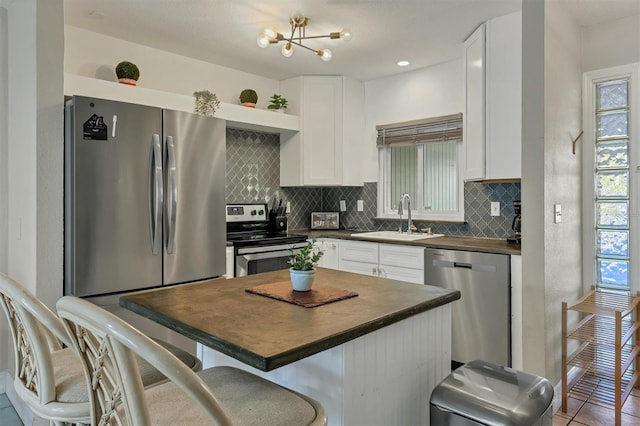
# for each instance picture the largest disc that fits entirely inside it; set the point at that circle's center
(172, 193)
(156, 193)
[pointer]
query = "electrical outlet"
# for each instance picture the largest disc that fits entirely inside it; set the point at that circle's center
(495, 208)
(360, 205)
(288, 210)
(343, 206)
(557, 213)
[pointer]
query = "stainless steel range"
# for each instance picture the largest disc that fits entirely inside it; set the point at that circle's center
(260, 241)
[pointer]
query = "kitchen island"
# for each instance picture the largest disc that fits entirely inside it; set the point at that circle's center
(369, 359)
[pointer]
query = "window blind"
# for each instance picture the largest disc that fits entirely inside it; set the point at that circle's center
(433, 129)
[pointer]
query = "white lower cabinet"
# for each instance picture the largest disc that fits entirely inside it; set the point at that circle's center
(330, 247)
(230, 262)
(393, 261)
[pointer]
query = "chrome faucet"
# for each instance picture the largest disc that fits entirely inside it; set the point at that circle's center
(409, 223)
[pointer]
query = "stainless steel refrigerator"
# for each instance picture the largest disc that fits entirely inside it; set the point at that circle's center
(144, 197)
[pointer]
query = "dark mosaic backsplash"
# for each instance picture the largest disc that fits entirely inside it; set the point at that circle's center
(253, 175)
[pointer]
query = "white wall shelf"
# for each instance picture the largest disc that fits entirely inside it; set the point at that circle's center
(236, 116)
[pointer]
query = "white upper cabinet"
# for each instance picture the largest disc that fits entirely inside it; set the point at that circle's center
(493, 145)
(325, 151)
(473, 118)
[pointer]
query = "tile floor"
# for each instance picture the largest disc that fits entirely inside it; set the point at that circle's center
(588, 410)
(8, 416)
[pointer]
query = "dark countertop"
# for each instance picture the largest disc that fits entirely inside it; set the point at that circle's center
(484, 245)
(266, 333)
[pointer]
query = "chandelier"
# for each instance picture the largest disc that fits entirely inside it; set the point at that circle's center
(298, 33)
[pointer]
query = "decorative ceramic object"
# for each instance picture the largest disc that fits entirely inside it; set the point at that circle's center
(249, 98)
(207, 103)
(302, 262)
(127, 73)
(302, 280)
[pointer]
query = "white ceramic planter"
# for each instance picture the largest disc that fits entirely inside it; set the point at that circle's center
(302, 280)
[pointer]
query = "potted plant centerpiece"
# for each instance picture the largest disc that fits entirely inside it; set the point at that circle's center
(278, 103)
(302, 262)
(249, 98)
(127, 73)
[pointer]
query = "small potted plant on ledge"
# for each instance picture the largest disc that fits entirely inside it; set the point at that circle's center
(127, 73)
(249, 98)
(302, 262)
(278, 103)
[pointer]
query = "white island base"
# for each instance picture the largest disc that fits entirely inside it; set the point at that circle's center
(382, 378)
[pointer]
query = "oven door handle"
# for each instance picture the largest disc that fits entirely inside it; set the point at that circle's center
(264, 255)
(270, 249)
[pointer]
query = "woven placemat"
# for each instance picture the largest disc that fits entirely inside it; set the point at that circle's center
(318, 295)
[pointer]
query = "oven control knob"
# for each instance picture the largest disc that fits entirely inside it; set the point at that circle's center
(253, 212)
(261, 212)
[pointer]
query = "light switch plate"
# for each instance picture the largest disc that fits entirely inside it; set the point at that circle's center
(288, 210)
(360, 205)
(557, 213)
(343, 206)
(495, 208)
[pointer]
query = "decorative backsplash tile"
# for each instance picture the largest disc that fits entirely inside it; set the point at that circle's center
(253, 176)
(253, 166)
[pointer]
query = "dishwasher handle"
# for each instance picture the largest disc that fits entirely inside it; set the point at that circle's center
(477, 267)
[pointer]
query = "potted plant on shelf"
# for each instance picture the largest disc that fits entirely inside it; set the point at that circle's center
(302, 262)
(206, 103)
(278, 103)
(249, 98)
(128, 73)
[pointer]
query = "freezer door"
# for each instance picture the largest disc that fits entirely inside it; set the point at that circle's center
(194, 214)
(113, 188)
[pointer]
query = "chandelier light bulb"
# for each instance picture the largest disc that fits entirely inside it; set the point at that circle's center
(345, 34)
(325, 54)
(287, 50)
(263, 41)
(270, 34)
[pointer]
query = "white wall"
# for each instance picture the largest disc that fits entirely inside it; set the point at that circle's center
(551, 114)
(4, 327)
(34, 149)
(611, 43)
(533, 286)
(35, 134)
(563, 173)
(426, 92)
(94, 55)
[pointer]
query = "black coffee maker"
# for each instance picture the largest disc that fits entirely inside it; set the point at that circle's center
(516, 225)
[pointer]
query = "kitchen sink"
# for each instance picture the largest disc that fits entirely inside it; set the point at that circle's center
(395, 236)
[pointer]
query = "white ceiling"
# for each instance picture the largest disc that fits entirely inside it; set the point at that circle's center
(224, 32)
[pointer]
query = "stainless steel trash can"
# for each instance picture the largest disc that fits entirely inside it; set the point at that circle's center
(482, 393)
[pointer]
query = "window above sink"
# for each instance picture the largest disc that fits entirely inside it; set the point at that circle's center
(424, 159)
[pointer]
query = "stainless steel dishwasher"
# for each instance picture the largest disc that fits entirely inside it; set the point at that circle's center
(481, 319)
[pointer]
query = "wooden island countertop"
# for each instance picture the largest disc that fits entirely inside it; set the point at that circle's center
(265, 333)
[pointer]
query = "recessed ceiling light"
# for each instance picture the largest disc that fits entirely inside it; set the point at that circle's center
(403, 63)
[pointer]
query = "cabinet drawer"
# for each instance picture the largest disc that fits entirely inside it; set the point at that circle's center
(415, 276)
(359, 251)
(359, 267)
(402, 256)
(330, 258)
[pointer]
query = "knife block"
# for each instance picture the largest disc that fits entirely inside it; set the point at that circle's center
(277, 223)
